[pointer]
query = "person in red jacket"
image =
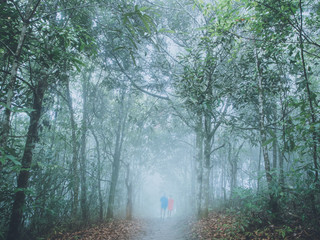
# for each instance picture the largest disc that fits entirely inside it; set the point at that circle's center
(170, 205)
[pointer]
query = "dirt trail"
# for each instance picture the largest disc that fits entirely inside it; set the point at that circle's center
(168, 229)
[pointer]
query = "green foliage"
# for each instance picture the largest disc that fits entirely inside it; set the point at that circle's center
(9, 29)
(252, 209)
(118, 46)
(7, 158)
(295, 206)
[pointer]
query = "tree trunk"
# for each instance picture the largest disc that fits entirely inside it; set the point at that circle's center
(232, 169)
(114, 175)
(5, 124)
(129, 195)
(74, 175)
(315, 135)
(207, 167)
(235, 166)
(233, 158)
(199, 163)
(99, 176)
(263, 135)
(193, 180)
(117, 157)
(13, 76)
(15, 225)
(274, 155)
(258, 171)
(275, 144)
(83, 162)
(282, 151)
(281, 172)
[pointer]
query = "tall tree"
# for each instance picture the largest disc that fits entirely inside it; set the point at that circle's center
(29, 12)
(122, 114)
(15, 226)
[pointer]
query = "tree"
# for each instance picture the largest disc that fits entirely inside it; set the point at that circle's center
(30, 10)
(120, 131)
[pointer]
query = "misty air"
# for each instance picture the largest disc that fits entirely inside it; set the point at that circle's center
(159, 119)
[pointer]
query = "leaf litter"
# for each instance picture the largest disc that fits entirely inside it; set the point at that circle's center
(112, 230)
(228, 226)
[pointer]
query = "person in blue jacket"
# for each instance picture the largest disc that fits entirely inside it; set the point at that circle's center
(164, 205)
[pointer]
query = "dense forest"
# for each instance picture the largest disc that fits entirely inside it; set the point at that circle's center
(106, 105)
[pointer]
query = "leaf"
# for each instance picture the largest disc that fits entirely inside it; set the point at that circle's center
(133, 58)
(164, 30)
(14, 160)
(17, 110)
(78, 61)
(142, 9)
(272, 133)
(118, 48)
(268, 141)
(134, 44)
(145, 22)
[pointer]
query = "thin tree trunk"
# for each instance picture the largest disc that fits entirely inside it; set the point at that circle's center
(283, 136)
(275, 143)
(15, 226)
(5, 125)
(232, 169)
(199, 162)
(235, 166)
(263, 135)
(315, 135)
(193, 178)
(13, 76)
(117, 157)
(281, 171)
(115, 174)
(129, 194)
(83, 162)
(259, 168)
(233, 160)
(224, 182)
(74, 175)
(99, 176)
(207, 166)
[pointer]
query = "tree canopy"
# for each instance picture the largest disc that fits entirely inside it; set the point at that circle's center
(105, 105)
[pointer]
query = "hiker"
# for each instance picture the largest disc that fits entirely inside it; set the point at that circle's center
(170, 206)
(164, 205)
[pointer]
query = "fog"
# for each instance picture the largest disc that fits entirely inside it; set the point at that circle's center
(106, 106)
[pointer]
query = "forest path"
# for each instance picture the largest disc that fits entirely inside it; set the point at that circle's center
(173, 228)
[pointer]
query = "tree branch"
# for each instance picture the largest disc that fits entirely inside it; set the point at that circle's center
(215, 149)
(135, 85)
(17, 8)
(20, 78)
(33, 10)
(7, 47)
(65, 9)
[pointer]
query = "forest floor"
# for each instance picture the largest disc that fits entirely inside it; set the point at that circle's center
(112, 230)
(147, 229)
(216, 226)
(227, 226)
(167, 229)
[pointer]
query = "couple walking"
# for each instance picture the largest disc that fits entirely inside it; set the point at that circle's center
(166, 203)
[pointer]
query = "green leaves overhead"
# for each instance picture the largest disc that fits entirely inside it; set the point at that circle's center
(139, 21)
(133, 72)
(8, 157)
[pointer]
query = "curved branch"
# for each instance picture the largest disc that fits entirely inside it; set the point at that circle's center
(7, 47)
(135, 85)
